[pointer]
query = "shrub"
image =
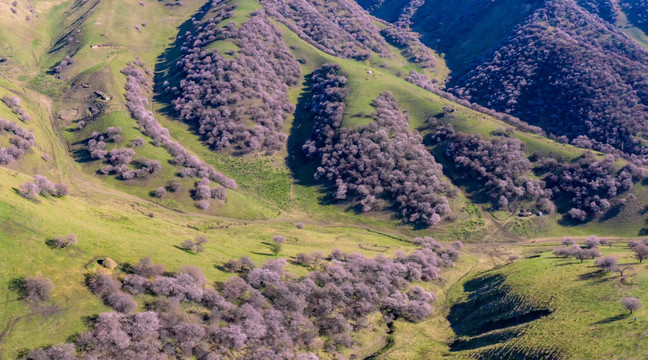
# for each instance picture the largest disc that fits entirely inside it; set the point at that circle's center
(54, 352)
(277, 244)
(591, 186)
(304, 259)
(29, 191)
(188, 245)
(203, 204)
(42, 186)
(196, 247)
(279, 239)
(137, 142)
(174, 186)
(160, 192)
(38, 289)
(147, 269)
(340, 28)
(64, 241)
(120, 301)
(498, 167)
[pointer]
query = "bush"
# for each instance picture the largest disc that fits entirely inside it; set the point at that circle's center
(147, 269)
(340, 28)
(42, 186)
(589, 185)
(304, 259)
(54, 352)
(196, 247)
(38, 289)
(174, 186)
(203, 204)
(160, 192)
(64, 241)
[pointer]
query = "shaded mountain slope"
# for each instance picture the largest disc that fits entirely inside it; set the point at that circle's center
(561, 65)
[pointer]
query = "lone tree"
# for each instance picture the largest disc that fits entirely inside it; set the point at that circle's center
(196, 247)
(607, 242)
(607, 263)
(200, 244)
(622, 268)
(188, 245)
(277, 244)
(631, 303)
(567, 241)
(641, 252)
(592, 241)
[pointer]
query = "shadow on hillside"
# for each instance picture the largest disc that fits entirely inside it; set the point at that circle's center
(302, 168)
(492, 314)
(505, 352)
(165, 66)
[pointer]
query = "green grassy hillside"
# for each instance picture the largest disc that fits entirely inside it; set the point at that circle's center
(121, 220)
(544, 303)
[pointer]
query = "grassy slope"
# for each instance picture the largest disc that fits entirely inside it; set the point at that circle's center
(120, 226)
(587, 320)
(267, 189)
(110, 221)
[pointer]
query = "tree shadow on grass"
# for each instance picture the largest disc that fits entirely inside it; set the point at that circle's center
(568, 263)
(18, 285)
(261, 253)
(611, 319)
(599, 274)
(185, 250)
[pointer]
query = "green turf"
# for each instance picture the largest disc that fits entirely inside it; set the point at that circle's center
(121, 220)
